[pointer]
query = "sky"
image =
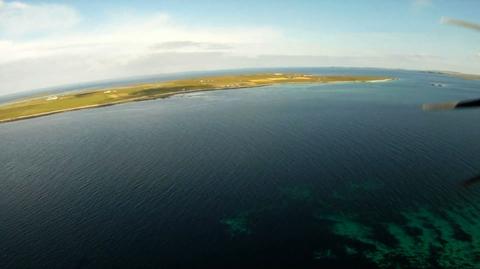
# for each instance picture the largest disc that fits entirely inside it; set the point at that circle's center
(52, 42)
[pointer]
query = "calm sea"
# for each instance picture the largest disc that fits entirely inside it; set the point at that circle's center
(304, 176)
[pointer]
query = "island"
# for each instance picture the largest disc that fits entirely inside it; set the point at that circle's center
(462, 75)
(69, 101)
(456, 74)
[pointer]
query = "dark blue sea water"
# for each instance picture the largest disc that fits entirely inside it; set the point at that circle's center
(304, 176)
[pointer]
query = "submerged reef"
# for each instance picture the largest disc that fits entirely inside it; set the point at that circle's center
(237, 225)
(437, 239)
(407, 237)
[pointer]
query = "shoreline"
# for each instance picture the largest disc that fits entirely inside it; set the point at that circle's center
(380, 80)
(140, 99)
(170, 94)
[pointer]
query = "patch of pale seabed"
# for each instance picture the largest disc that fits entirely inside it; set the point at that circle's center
(238, 225)
(419, 238)
(436, 242)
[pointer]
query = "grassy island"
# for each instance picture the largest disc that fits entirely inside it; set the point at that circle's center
(50, 104)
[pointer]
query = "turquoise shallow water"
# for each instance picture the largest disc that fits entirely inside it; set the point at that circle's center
(305, 176)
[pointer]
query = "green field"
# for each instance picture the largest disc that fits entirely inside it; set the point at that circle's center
(50, 104)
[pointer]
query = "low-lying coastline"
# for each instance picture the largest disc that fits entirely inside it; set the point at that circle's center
(53, 104)
(456, 74)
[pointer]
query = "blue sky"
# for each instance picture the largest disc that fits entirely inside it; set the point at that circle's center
(59, 42)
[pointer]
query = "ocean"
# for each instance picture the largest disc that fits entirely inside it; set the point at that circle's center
(351, 175)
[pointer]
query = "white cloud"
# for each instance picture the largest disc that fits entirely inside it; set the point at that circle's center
(101, 51)
(134, 38)
(128, 45)
(18, 18)
(420, 4)
(175, 45)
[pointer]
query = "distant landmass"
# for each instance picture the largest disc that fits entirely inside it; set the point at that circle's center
(456, 74)
(51, 104)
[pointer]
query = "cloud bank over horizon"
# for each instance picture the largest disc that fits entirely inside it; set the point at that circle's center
(49, 44)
